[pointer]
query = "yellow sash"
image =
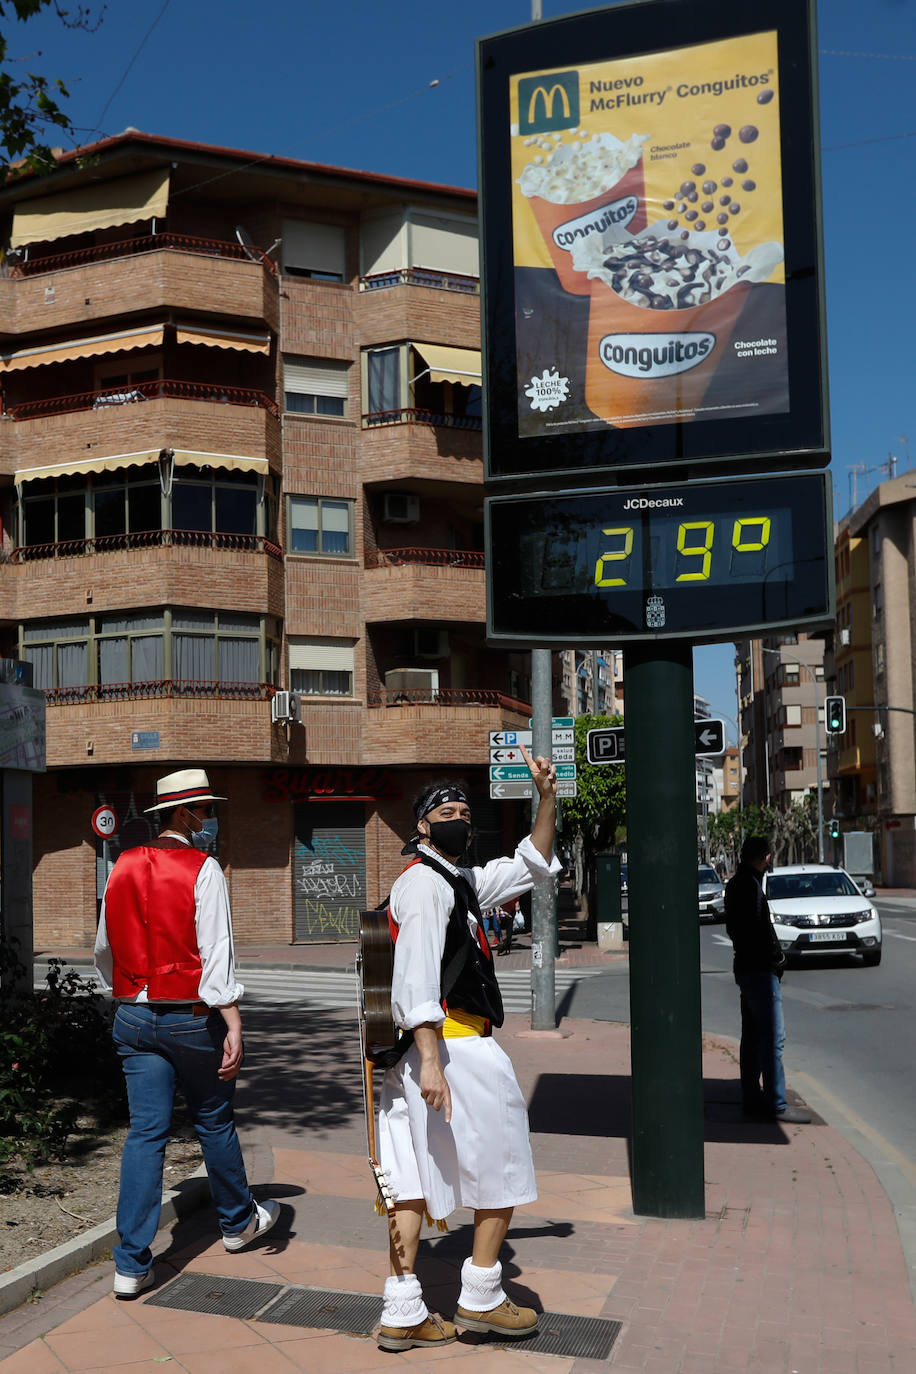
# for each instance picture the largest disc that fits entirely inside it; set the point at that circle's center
(460, 1023)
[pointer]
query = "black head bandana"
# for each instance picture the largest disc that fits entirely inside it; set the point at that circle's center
(428, 802)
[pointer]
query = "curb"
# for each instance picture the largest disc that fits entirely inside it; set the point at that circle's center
(44, 1271)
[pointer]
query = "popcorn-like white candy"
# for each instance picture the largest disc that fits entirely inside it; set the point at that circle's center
(581, 172)
(658, 270)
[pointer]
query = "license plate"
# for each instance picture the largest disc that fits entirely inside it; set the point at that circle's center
(822, 937)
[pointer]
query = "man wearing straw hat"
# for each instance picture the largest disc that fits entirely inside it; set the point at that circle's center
(164, 949)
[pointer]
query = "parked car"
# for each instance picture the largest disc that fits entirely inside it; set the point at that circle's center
(711, 894)
(818, 910)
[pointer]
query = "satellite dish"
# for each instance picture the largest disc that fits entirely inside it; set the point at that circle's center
(248, 243)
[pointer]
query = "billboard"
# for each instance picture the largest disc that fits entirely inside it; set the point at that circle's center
(651, 248)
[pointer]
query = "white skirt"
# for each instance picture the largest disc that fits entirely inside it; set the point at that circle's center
(482, 1158)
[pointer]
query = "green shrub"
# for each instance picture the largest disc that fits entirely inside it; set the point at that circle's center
(56, 1060)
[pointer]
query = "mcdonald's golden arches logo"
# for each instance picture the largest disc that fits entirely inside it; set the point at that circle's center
(548, 102)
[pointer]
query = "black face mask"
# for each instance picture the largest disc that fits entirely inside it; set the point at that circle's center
(452, 837)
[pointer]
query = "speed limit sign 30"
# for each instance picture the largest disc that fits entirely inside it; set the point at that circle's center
(105, 822)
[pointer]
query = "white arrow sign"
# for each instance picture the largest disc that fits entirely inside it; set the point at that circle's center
(519, 791)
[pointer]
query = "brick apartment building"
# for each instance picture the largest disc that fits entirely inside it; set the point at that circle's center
(240, 452)
(780, 680)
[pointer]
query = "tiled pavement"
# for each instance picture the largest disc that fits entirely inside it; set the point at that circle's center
(796, 1267)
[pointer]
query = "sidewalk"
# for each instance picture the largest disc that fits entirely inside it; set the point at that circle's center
(797, 1265)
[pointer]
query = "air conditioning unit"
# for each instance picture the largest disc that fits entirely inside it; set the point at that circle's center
(285, 708)
(430, 643)
(400, 508)
(421, 683)
(844, 637)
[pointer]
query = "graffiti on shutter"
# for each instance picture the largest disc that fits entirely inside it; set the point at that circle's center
(329, 870)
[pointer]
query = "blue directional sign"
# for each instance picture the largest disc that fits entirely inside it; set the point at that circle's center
(508, 772)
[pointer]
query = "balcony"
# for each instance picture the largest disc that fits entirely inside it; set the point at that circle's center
(156, 271)
(414, 303)
(152, 568)
(397, 444)
(147, 417)
(439, 726)
(225, 721)
(401, 582)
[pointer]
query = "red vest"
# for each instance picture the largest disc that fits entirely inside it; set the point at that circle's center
(149, 916)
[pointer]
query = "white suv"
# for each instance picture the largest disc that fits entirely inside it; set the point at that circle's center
(817, 909)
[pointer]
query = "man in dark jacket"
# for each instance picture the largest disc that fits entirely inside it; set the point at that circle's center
(758, 967)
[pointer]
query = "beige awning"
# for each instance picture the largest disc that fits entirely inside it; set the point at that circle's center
(449, 364)
(126, 340)
(119, 460)
(233, 462)
(242, 339)
(100, 205)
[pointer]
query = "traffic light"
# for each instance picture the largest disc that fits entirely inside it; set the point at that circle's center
(835, 715)
(834, 829)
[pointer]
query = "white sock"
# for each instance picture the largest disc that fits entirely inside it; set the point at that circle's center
(481, 1289)
(404, 1305)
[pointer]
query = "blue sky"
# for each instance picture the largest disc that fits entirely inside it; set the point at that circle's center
(391, 89)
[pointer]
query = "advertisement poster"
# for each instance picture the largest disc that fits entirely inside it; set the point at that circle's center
(648, 239)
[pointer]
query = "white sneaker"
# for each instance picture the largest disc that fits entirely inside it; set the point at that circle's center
(266, 1215)
(131, 1285)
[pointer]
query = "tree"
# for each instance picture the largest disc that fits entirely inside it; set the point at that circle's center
(29, 102)
(597, 812)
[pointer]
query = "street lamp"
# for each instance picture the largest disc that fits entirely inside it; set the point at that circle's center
(817, 739)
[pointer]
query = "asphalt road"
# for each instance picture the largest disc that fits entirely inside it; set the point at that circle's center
(850, 1037)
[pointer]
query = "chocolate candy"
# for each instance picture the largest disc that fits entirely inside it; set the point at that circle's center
(668, 205)
(698, 169)
(692, 196)
(718, 144)
(691, 214)
(728, 181)
(749, 185)
(672, 224)
(687, 187)
(723, 244)
(700, 225)
(724, 200)
(709, 187)
(707, 207)
(764, 97)
(748, 133)
(739, 165)
(722, 219)
(734, 208)
(722, 131)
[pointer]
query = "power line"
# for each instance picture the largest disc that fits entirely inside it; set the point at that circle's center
(862, 142)
(887, 56)
(127, 69)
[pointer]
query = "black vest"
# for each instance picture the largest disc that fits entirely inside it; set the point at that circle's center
(467, 978)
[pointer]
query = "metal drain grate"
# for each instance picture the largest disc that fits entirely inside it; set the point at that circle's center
(587, 1338)
(357, 1313)
(214, 1294)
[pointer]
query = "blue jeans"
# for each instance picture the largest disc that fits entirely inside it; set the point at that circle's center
(158, 1051)
(763, 1035)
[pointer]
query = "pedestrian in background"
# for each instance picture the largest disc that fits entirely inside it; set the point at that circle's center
(164, 948)
(758, 967)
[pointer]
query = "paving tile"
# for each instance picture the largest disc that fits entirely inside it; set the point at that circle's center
(34, 1358)
(93, 1350)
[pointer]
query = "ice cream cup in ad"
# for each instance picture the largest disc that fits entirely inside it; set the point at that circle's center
(662, 314)
(557, 191)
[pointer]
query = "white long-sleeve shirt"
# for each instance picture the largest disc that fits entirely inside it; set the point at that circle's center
(421, 901)
(213, 927)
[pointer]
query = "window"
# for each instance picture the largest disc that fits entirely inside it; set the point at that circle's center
(321, 525)
(790, 674)
(213, 500)
(315, 386)
(321, 667)
(793, 715)
(109, 651)
(311, 249)
(383, 380)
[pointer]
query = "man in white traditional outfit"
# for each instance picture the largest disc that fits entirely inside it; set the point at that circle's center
(453, 1127)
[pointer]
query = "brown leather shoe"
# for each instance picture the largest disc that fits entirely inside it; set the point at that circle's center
(505, 1320)
(432, 1331)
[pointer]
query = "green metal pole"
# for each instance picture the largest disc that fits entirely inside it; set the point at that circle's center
(664, 942)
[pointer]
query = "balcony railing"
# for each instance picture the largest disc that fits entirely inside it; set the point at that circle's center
(148, 243)
(414, 415)
(421, 276)
(144, 391)
(147, 539)
(441, 558)
(148, 691)
(445, 696)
